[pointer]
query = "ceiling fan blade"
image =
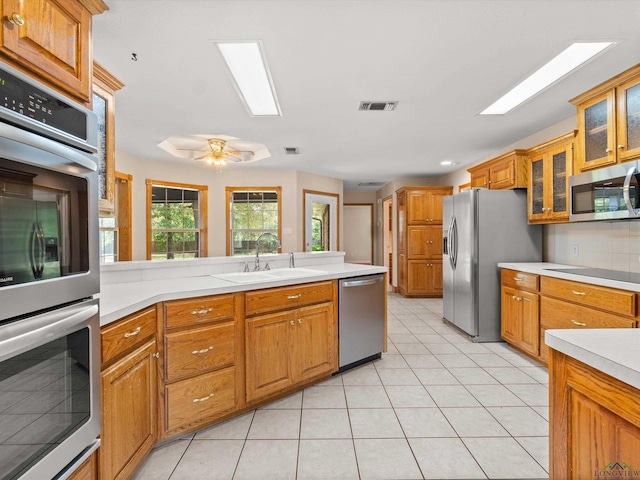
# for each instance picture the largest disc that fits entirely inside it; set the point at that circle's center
(238, 152)
(233, 158)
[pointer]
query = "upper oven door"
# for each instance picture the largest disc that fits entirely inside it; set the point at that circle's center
(606, 194)
(48, 223)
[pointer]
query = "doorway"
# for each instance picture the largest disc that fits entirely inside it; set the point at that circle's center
(320, 226)
(387, 236)
(358, 233)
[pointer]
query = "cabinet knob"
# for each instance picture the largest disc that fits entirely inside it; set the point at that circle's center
(292, 322)
(608, 150)
(620, 147)
(156, 355)
(15, 18)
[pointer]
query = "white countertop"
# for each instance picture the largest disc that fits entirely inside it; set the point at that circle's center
(613, 351)
(542, 268)
(118, 300)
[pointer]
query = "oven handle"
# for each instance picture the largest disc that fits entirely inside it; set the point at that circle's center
(626, 194)
(22, 335)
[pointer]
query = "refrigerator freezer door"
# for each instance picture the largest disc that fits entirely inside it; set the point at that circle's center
(465, 305)
(447, 264)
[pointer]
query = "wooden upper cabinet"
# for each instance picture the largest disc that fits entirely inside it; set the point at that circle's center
(51, 40)
(502, 173)
(609, 122)
(550, 166)
(421, 205)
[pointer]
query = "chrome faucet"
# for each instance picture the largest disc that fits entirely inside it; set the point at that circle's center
(292, 261)
(257, 264)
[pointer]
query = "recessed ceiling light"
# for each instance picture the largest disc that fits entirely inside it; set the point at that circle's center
(571, 58)
(248, 66)
(448, 162)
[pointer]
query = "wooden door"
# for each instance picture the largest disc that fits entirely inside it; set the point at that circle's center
(129, 412)
(314, 342)
(417, 277)
(510, 315)
(435, 205)
(53, 43)
(559, 164)
(480, 179)
(417, 246)
(268, 352)
(502, 174)
(433, 240)
(435, 278)
(538, 186)
(529, 339)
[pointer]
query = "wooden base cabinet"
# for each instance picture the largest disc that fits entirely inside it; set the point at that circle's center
(290, 338)
(594, 423)
(129, 412)
(520, 319)
(88, 470)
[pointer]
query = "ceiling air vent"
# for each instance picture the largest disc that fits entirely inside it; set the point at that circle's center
(385, 106)
(291, 150)
(371, 184)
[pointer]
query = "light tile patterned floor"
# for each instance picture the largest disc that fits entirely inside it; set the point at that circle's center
(436, 406)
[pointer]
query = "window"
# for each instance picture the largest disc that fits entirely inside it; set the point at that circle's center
(252, 212)
(176, 220)
(108, 240)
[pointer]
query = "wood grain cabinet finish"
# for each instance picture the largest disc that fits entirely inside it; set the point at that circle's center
(501, 173)
(201, 361)
(88, 470)
(289, 345)
(129, 412)
(52, 42)
(127, 333)
(420, 240)
(520, 319)
(550, 166)
(594, 422)
(533, 304)
(608, 126)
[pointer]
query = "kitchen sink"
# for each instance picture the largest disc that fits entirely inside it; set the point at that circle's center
(269, 275)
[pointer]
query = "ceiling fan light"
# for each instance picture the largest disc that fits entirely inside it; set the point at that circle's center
(248, 66)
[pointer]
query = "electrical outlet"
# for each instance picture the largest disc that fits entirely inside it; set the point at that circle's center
(575, 250)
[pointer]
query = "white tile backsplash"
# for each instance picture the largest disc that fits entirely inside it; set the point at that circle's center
(613, 245)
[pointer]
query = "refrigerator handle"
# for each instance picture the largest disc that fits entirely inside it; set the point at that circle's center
(454, 243)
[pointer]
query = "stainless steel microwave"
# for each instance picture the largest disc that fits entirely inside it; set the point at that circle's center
(606, 194)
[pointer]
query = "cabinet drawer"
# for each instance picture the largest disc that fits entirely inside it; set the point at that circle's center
(182, 313)
(520, 280)
(127, 333)
(558, 314)
(609, 299)
(268, 300)
(199, 399)
(197, 350)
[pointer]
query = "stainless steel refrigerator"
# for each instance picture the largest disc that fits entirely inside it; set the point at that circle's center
(480, 229)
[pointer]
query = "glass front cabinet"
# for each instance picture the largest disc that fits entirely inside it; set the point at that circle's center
(609, 122)
(550, 165)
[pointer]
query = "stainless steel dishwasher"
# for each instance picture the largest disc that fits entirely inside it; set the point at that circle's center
(361, 319)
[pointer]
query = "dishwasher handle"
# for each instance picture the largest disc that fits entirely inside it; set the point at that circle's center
(362, 283)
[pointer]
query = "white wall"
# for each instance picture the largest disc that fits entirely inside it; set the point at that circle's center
(291, 182)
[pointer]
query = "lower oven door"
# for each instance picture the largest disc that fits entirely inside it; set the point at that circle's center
(49, 390)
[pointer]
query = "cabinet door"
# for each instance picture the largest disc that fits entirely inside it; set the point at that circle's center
(417, 277)
(502, 175)
(433, 239)
(129, 412)
(268, 352)
(560, 160)
(314, 342)
(510, 315)
(417, 242)
(435, 206)
(401, 222)
(480, 179)
(434, 269)
(536, 192)
(530, 322)
(596, 131)
(53, 42)
(628, 126)
(417, 207)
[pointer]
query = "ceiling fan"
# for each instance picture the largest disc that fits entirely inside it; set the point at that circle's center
(215, 149)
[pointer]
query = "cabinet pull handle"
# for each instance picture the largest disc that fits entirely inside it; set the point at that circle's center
(293, 297)
(578, 293)
(15, 18)
(204, 350)
(580, 324)
(203, 399)
(203, 311)
(518, 278)
(526, 299)
(133, 333)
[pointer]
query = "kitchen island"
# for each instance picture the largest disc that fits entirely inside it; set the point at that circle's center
(186, 344)
(594, 381)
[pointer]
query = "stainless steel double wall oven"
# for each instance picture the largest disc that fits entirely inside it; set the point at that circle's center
(49, 281)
